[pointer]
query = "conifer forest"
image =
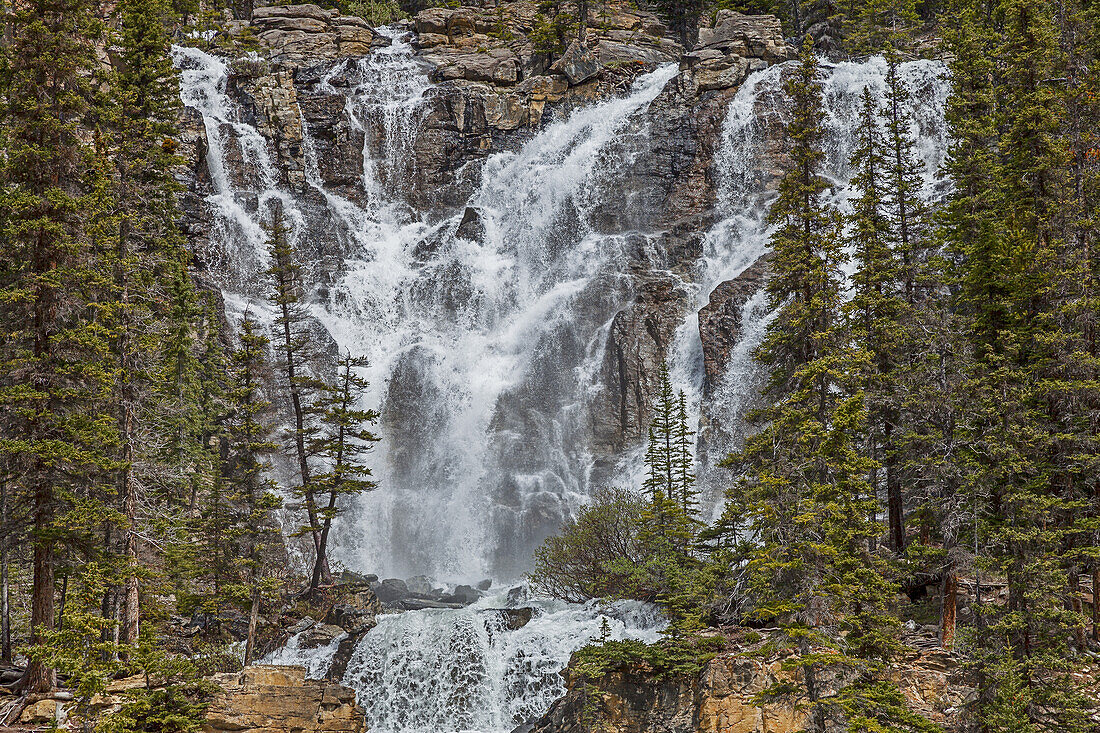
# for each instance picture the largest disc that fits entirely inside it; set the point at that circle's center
(550, 366)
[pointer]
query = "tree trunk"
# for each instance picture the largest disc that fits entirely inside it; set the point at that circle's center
(1096, 603)
(39, 677)
(5, 606)
(126, 423)
(253, 617)
(582, 20)
(948, 607)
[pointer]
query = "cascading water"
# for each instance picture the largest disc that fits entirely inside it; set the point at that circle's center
(746, 170)
(485, 332)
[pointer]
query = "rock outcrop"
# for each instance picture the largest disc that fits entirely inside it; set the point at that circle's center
(722, 698)
(720, 319)
(302, 33)
(270, 699)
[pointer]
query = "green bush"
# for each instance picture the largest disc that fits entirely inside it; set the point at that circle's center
(599, 554)
(674, 658)
(174, 709)
(375, 12)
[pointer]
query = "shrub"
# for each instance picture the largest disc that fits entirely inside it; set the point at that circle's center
(597, 555)
(173, 709)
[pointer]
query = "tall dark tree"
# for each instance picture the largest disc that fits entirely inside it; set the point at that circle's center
(295, 346)
(56, 434)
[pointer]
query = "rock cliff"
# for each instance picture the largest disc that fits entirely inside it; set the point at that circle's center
(723, 698)
(389, 150)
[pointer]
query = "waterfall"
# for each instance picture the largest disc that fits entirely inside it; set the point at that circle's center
(457, 323)
(483, 339)
(746, 169)
(466, 671)
(485, 329)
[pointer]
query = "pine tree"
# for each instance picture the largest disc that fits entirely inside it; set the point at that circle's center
(872, 26)
(343, 442)
(804, 488)
(876, 309)
(54, 354)
(248, 431)
(295, 347)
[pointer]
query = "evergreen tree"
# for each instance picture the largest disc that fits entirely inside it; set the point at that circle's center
(804, 486)
(872, 26)
(342, 446)
(57, 435)
(295, 348)
(876, 309)
(248, 489)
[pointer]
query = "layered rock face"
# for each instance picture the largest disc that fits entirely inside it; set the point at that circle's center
(409, 172)
(270, 699)
(723, 699)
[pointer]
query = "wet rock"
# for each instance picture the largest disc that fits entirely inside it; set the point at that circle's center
(471, 226)
(320, 635)
(350, 619)
(421, 584)
(463, 594)
(512, 618)
(391, 590)
(577, 64)
(720, 319)
(421, 604)
(637, 345)
(484, 585)
(517, 596)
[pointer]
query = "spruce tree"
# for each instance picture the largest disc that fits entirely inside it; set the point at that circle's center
(295, 348)
(804, 487)
(876, 308)
(249, 491)
(55, 362)
(343, 441)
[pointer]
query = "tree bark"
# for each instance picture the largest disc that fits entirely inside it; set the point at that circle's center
(253, 617)
(949, 607)
(39, 677)
(5, 607)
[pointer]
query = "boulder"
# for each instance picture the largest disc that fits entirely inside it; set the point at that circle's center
(353, 620)
(271, 699)
(43, 712)
(391, 590)
(422, 584)
(320, 635)
(517, 596)
(463, 594)
(577, 64)
(300, 626)
(512, 618)
(760, 36)
(471, 226)
(484, 585)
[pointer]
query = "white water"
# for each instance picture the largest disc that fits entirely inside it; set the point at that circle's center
(745, 169)
(485, 350)
(464, 671)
